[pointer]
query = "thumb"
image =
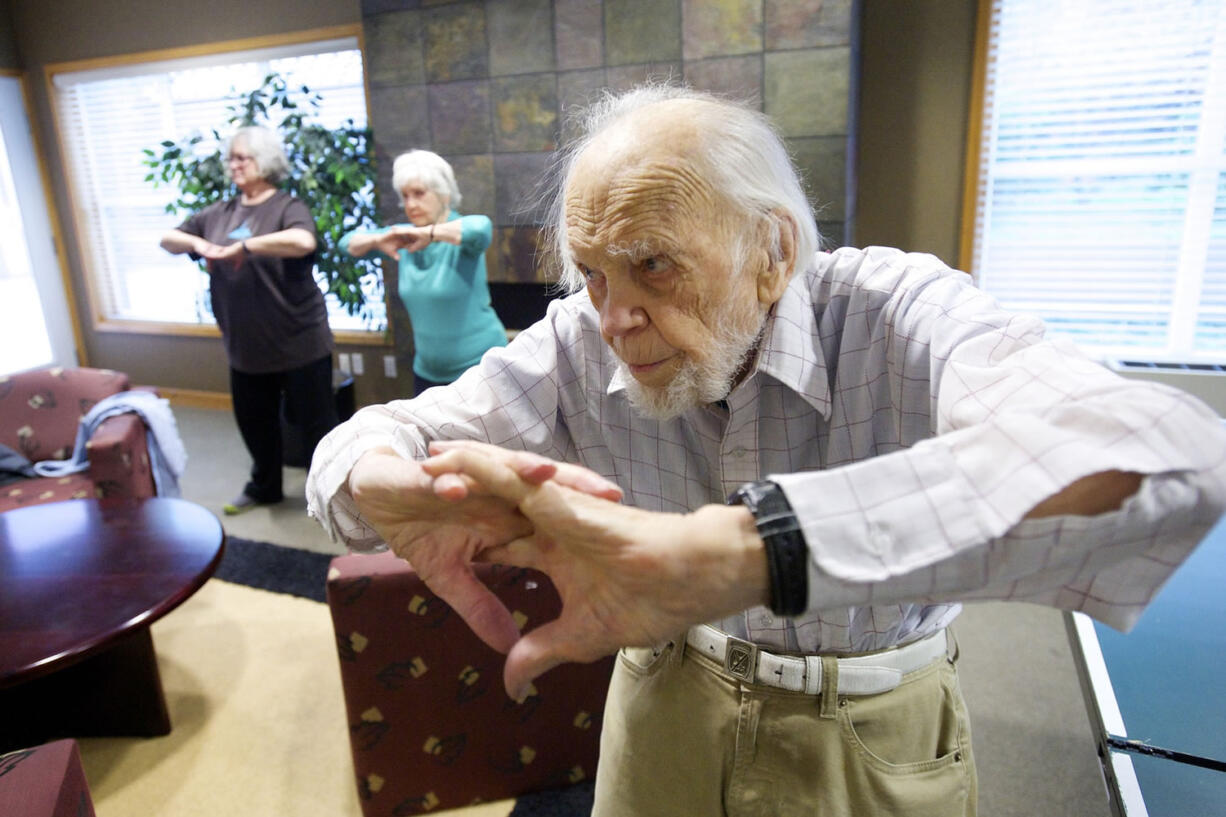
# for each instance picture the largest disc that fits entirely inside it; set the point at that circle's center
(532, 656)
(479, 607)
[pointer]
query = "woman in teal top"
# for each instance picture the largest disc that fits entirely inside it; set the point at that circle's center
(442, 270)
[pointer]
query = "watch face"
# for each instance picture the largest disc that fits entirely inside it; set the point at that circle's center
(751, 494)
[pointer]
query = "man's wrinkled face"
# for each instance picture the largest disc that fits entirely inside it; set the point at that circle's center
(658, 251)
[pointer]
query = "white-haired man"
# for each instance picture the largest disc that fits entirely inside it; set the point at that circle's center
(892, 442)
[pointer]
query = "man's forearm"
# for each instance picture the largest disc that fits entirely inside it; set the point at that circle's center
(1090, 496)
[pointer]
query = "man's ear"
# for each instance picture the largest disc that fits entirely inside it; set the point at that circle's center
(773, 278)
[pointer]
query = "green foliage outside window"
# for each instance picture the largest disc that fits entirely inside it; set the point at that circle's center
(330, 171)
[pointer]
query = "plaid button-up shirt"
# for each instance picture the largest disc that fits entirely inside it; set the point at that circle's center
(912, 424)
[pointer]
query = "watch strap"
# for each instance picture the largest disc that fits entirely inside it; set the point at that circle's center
(787, 554)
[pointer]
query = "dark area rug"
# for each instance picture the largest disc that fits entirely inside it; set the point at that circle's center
(574, 801)
(274, 567)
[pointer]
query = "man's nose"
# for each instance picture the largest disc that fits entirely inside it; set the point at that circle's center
(620, 313)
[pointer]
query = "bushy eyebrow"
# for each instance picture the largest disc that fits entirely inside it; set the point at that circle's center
(637, 251)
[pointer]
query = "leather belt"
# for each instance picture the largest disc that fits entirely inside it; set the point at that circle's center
(868, 674)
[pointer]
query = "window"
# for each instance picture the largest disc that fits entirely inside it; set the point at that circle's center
(108, 115)
(26, 342)
(1100, 202)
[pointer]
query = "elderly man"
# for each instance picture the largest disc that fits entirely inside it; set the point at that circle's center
(892, 442)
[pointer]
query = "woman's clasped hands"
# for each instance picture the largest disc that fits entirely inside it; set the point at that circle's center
(402, 237)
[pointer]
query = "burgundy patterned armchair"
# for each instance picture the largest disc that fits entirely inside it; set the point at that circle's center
(430, 725)
(44, 781)
(40, 412)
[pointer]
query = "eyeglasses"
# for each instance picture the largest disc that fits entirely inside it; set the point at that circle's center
(239, 158)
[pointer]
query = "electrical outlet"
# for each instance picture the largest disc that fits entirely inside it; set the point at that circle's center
(389, 365)
(359, 366)
(342, 362)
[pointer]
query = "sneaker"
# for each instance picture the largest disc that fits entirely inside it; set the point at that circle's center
(240, 504)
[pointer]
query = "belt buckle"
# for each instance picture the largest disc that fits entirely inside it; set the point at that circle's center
(741, 659)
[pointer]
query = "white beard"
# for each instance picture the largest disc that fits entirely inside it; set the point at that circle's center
(698, 384)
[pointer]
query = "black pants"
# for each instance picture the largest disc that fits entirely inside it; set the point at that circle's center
(257, 408)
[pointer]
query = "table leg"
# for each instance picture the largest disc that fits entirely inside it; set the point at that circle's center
(116, 692)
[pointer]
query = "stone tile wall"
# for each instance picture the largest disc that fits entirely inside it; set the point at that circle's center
(488, 85)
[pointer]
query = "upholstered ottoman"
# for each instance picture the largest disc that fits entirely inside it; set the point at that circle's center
(430, 724)
(44, 781)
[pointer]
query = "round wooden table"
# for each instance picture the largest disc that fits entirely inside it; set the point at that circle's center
(80, 583)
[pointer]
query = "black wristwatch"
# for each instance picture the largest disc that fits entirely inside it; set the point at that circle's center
(787, 561)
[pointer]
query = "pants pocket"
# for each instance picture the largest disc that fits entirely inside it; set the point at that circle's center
(914, 744)
(643, 661)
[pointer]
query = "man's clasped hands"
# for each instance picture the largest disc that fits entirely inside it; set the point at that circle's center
(626, 576)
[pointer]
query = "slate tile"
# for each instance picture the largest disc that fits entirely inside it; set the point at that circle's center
(520, 255)
(835, 234)
(806, 92)
(525, 111)
(474, 175)
(387, 203)
(625, 77)
(735, 77)
(372, 7)
(579, 33)
(720, 28)
(822, 164)
(394, 48)
(807, 23)
(455, 42)
(576, 91)
(520, 37)
(638, 31)
(400, 117)
(460, 117)
(521, 188)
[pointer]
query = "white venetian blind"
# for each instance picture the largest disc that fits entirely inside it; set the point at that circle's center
(108, 116)
(1101, 198)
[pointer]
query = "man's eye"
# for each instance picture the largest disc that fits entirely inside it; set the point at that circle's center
(655, 264)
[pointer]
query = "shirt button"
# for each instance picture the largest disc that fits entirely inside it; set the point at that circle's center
(738, 452)
(765, 620)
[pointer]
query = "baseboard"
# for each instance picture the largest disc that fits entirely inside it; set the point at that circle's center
(195, 398)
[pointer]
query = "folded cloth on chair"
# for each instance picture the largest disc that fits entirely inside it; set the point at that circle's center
(14, 466)
(167, 456)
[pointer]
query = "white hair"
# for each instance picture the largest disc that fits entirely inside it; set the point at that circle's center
(742, 156)
(431, 170)
(266, 150)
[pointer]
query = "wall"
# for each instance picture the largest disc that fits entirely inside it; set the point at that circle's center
(914, 108)
(8, 43)
(489, 85)
(53, 31)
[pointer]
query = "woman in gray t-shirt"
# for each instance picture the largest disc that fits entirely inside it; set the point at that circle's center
(260, 250)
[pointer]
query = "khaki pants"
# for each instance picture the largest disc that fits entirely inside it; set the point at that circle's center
(683, 739)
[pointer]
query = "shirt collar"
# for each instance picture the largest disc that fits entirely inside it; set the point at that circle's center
(792, 349)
